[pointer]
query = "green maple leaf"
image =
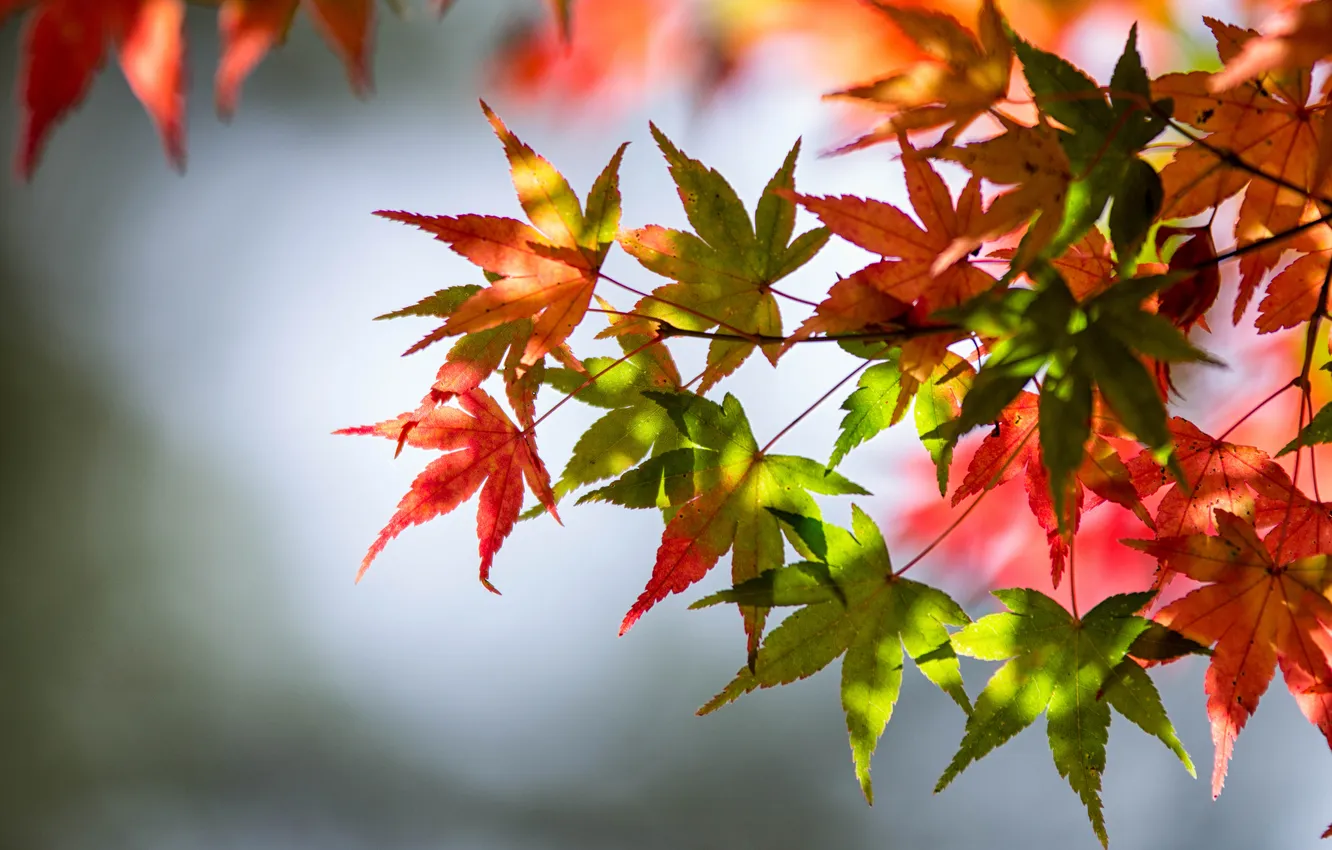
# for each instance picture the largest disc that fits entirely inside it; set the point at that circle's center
(1080, 347)
(853, 606)
(717, 492)
(724, 271)
(1073, 670)
(634, 426)
(880, 400)
(1103, 140)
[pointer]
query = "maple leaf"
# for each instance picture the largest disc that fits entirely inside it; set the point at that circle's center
(1299, 526)
(1072, 670)
(1269, 125)
(881, 399)
(1213, 474)
(634, 424)
(1102, 142)
(962, 76)
(938, 403)
(482, 447)
(64, 46)
(1082, 347)
(1294, 37)
(1032, 159)
(725, 270)
(853, 606)
(906, 274)
(476, 356)
(1013, 447)
(1294, 294)
(251, 28)
(1317, 432)
(547, 272)
(718, 491)
(1186, 302)
(1258, 612)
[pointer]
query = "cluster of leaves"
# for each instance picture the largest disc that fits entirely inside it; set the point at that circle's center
(1050, 315)
(65, 43)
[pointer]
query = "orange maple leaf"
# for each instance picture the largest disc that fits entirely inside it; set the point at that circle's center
(64, 46)
(482, 446)
(547, 272)
(1217, 475)
(1296, 36)
(1259, 611)
(961, 77)
(1031, 159)
(1270, 125)
(250, 28)
(877, 293)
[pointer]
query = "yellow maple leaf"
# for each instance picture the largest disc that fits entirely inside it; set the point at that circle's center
(1029, 158)
(961, 78)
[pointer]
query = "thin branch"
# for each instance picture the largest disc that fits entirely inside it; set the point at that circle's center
(1073, 574)
(591, 379)
(966, 513)
(820, 400)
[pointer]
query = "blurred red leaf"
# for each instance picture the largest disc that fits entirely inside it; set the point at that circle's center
(64, 46)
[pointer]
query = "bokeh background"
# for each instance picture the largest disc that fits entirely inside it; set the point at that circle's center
(186, 661)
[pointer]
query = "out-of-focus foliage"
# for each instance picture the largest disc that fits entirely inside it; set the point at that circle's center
(1050, 301)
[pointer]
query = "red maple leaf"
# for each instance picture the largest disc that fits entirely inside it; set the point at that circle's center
(250, 28)
(65, 44)
(877, 293)
(1013, 447)
(1259, 611)
(482, 446)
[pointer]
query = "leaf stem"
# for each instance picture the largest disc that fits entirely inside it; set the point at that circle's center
(966, 513)
(1073, 574)
(820, 400)
(591, 379)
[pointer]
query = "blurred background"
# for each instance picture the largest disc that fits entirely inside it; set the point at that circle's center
(186, 660)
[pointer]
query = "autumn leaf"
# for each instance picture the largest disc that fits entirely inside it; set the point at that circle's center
(1297, 525)
(1268, 124)
(251, 28)
(476, 356)
(724, 490)
(482, 447)
(906, 275)
(1069, 669)
(1257, 611)
(725, 269)
(962, 76)
(1033, 161)
(546, 273)
(1294, 37)
(633, 425)
(1216, 474)
(1013, 448)
(64, 46)
(862, 611)
(1294, 294)
(1102, 140)
(938, 403)
(1085, 349)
